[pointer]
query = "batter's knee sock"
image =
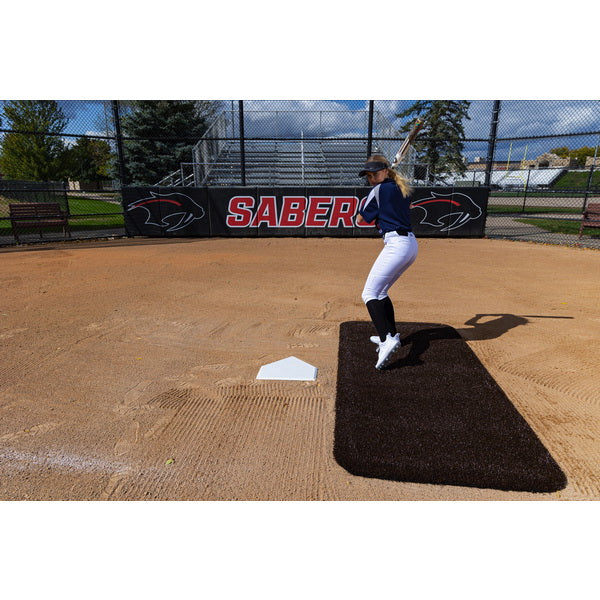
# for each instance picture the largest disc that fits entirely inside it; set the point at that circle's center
(389, 315)
(378, 316)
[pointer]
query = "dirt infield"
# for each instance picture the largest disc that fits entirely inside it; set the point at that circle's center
(128, 367)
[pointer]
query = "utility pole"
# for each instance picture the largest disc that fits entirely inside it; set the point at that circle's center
(119, 141)
(242, 149)
(370, 137)
(492, 143)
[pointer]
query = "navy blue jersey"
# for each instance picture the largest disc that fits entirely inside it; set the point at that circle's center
(386, 205)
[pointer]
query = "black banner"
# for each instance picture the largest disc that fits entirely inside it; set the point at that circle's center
(293, 211)
(166, 212)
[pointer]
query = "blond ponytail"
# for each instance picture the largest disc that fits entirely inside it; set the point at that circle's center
(400, 181)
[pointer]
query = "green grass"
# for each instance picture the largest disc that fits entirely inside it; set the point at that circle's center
(548, 193)
(86, 206)
(77, 224)
(503, 209)
(78, 205)
(98, 215)
(559, 226)
(97, 222)
(575, 180)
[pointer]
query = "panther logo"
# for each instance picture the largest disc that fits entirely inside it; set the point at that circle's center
(462, 210)
(170, 212)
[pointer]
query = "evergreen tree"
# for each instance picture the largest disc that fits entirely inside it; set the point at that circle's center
(33, 157)
(165, 132)
(440, 142)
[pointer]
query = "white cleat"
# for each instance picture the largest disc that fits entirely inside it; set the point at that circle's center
(376, 340)
(387, 349)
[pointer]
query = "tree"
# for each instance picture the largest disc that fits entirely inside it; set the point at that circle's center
(562, 151)
(165, 132)
(89, 160)
(579, 154)
(28, 156)
(440, 143)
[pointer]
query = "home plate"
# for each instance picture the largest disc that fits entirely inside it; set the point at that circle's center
(291, 369)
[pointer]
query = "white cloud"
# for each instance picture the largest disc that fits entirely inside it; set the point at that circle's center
(293, 118)
(521, 118)
(313, 118)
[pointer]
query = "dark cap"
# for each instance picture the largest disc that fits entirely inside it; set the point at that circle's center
(373, 167)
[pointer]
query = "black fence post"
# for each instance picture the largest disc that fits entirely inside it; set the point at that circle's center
(370, 135)
(242, 149)
(492, 143)
(65, 184)
(119, 141)
(526, 190)
(589, 181)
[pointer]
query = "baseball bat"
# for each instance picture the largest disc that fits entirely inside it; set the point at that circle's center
(410, 138)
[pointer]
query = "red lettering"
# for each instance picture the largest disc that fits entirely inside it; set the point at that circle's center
(292, 211)
(343, 210)
(240, 212)
(266, 212)
(316, 209)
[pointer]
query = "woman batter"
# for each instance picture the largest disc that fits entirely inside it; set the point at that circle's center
(388, 206)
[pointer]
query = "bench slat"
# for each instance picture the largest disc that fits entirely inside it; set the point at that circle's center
(590, 217)
(37, 215)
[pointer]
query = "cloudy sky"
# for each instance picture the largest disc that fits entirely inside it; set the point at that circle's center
(312, 118)
(349, 118)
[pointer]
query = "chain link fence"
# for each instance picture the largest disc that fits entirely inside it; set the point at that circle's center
(545, 172)
(59, 152)
(539, 158)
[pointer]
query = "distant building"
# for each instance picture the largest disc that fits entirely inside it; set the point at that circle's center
(549, 159)
(543, 161)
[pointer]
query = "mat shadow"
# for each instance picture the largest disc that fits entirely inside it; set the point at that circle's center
(434, 416)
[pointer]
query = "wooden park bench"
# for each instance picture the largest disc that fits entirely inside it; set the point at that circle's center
(590, 218)
(38, 216)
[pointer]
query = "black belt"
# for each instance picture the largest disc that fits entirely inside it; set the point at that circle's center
(402, 232)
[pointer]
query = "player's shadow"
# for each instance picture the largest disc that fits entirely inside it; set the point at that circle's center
(490, 329)
(419, 341)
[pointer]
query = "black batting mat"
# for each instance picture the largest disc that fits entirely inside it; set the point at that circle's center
(434, 415)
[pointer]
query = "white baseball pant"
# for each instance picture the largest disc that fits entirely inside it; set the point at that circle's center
(399, 252)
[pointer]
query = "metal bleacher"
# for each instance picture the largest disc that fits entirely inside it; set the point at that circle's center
(508, 179)
(217, 160)
(289, 163)
(277, 162)
(320, 159)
